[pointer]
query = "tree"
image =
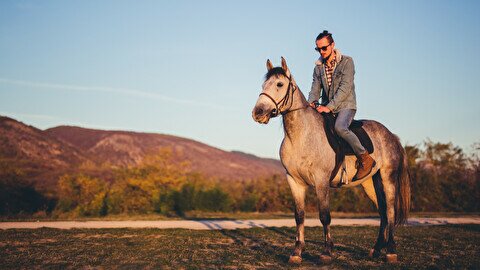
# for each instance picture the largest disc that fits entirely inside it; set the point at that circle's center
(443, 178)
(149, 186)
(17, 195)
(82, 195)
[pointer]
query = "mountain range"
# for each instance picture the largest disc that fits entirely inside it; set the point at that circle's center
(45, 155)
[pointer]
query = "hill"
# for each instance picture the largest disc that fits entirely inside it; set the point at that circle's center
(44, 155)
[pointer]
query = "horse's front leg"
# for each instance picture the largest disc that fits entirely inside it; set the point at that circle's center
(298, 189)
(323, 196)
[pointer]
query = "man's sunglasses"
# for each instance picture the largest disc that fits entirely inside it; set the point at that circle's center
(324, 48)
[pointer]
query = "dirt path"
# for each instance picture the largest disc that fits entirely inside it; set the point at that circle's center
(225, 224)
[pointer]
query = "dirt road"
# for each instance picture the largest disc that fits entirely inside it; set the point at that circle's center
(226, 224)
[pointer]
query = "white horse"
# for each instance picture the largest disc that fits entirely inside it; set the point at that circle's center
(309, 161)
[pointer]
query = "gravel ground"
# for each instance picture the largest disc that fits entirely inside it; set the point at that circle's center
(227, 224)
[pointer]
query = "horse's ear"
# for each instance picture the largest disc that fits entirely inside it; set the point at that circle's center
(284, 64)
(285, 67)
(269, 65)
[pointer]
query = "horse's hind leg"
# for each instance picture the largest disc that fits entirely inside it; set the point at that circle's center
(388, 177)
(323, 195)
(298, 191)
(382, 210)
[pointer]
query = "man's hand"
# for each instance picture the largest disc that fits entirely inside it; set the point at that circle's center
(312, 105)
(324, 109)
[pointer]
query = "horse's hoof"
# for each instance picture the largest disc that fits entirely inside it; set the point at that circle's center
(374, 253)
(392, 258)
(325, 259)
(294, 259)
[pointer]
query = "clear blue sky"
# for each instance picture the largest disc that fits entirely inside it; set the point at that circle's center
(194, 68)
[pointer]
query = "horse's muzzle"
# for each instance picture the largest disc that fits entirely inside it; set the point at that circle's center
(261, 115)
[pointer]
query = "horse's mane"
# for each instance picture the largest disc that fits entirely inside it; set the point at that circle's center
(275, 71)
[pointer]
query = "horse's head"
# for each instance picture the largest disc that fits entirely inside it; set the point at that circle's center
(276, 92)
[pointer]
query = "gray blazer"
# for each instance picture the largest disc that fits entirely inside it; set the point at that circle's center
(341, 94)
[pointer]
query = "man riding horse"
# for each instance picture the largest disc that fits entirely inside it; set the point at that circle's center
(310, 160)
(333, 83)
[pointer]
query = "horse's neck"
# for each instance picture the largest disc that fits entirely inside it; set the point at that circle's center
(301, 122)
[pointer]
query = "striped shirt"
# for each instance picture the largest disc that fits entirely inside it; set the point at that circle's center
(329, 70)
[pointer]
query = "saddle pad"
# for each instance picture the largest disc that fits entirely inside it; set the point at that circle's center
(338, 144)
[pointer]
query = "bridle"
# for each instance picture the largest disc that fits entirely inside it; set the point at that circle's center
(284, 100)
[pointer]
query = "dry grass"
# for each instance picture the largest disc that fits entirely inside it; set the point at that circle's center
(443, 247)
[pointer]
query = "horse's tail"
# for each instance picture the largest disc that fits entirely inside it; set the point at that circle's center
(402, 198)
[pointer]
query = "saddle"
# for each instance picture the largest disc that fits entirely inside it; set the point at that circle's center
(339, 145)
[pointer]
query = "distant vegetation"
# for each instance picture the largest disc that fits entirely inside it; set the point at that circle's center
(444, 178)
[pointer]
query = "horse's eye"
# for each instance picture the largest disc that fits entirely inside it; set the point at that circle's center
(279, 84)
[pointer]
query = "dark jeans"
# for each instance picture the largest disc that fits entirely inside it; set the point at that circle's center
(344, 119)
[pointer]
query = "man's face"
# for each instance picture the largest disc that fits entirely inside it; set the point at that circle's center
(325, 47)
